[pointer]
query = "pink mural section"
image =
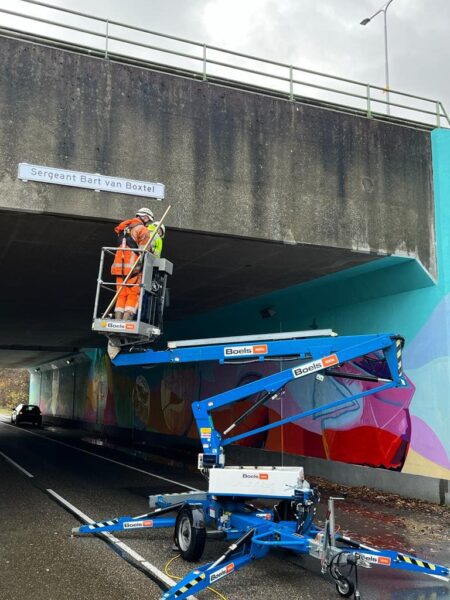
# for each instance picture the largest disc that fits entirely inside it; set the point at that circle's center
(374, 431)
(428, 361)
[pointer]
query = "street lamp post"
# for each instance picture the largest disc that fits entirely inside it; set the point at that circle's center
(386, 61)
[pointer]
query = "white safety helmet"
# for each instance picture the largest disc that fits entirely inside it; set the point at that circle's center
(161, 228)
(145, 212)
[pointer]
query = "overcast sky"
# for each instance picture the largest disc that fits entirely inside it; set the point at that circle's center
(323, 35)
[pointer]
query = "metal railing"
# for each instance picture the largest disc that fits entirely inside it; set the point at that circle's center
(110, 39)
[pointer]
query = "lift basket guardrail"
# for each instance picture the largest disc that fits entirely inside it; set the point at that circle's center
(147, 326)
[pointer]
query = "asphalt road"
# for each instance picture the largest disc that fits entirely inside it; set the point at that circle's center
(39, 559)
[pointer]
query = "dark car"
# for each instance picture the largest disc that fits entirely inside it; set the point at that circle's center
(27, 413)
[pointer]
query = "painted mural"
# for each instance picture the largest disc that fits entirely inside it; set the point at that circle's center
(404, 429)
(395, 429)
(400, 429)
(377, 431)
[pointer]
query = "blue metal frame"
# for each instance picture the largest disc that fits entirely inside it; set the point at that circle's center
(304, 347)
(262, 533)
(254, 531)
(200, 578)
(126, 524)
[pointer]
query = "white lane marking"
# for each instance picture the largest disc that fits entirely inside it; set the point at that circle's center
(117, 462)
(124, 547)
(10, 460)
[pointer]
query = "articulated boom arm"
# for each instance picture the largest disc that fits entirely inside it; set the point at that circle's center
(316, 352)
(319, 355)
(226, 510)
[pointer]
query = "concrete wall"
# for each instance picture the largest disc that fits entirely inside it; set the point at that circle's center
(233, 162)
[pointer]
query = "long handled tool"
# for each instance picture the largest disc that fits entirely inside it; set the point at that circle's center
(150, 240)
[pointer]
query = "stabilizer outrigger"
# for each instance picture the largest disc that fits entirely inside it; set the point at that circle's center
(226, 511)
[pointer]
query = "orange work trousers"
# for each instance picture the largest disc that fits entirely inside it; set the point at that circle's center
(128, 298)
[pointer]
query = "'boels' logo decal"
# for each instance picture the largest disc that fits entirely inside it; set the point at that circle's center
(137, 524)
(231, 351)
(221, 573)
(315, 365)
(118, 326)
(255, 476)
(377, 560)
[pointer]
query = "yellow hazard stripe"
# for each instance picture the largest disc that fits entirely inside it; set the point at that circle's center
(415, 561)
(196, 580)
(189, 585)
(408, 560)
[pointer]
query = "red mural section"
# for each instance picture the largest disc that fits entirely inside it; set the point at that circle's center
(366, 446)
(374, 431)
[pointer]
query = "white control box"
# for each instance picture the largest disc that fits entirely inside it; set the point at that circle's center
(257, 482)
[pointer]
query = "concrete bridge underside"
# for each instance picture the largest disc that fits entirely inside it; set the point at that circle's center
(50, 265)
(266, 193)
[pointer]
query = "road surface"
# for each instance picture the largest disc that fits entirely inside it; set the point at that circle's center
(47, 474)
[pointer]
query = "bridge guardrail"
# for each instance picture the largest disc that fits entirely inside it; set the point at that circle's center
(110, 39)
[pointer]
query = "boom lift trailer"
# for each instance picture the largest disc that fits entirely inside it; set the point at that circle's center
(226, 510)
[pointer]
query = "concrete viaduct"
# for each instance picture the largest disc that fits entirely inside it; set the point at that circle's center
(266, 193)
(332, 218)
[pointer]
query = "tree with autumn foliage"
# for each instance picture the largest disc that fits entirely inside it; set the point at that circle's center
(14, 387)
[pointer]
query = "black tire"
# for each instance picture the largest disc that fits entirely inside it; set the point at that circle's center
(345, 588)
(190, 540)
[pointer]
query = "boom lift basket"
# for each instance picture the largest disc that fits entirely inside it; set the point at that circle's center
(147, 325)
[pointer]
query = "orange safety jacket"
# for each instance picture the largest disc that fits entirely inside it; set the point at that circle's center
(132, 234)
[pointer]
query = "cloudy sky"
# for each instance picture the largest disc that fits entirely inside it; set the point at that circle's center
(322, 35)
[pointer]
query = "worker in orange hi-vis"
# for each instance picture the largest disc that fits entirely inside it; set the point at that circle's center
(133, 234)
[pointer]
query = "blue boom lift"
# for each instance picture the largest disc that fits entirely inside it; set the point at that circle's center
(226, 510)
